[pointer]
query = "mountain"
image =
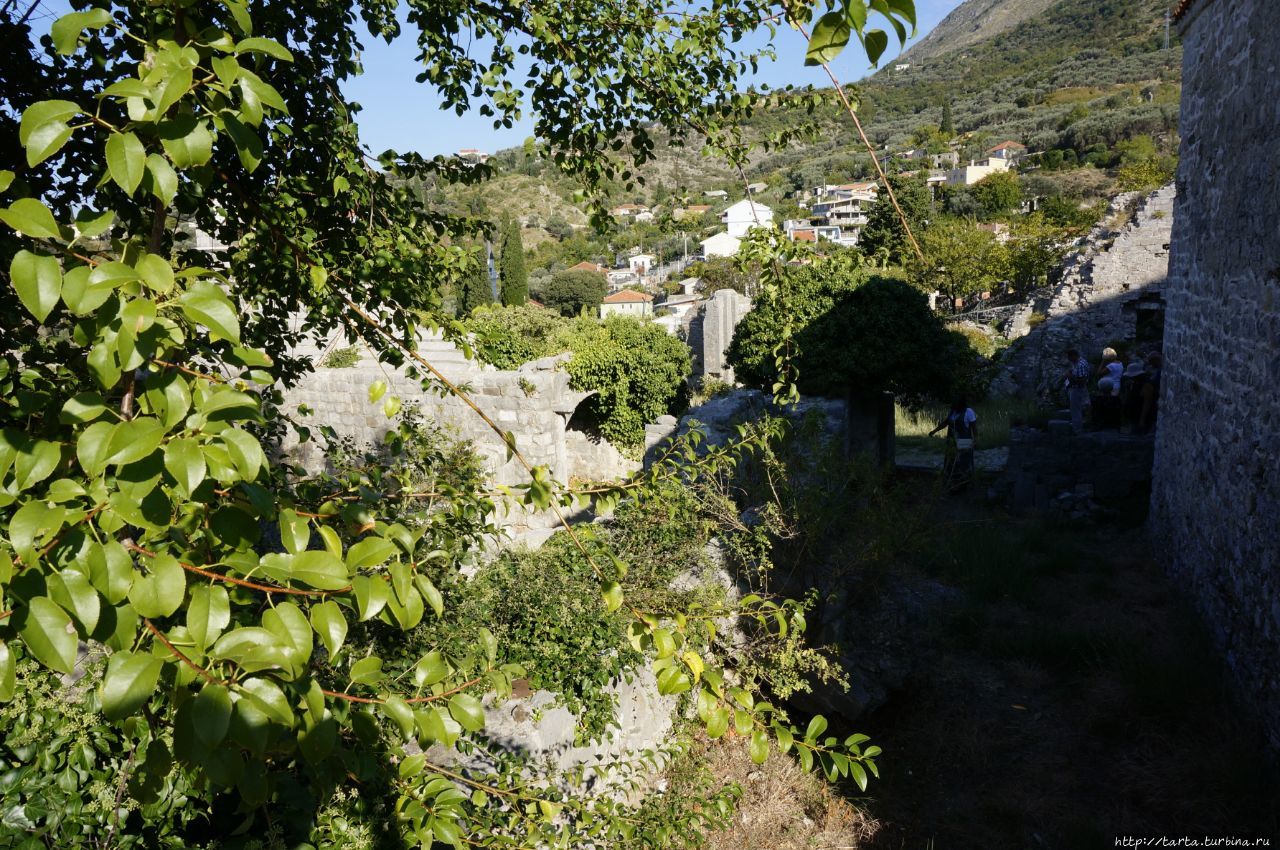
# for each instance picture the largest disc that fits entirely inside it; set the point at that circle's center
(972, 22)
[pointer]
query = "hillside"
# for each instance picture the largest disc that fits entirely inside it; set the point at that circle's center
(1079, 77)
(971, 23)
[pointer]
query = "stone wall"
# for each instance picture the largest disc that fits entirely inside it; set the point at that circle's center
(1216, 499)
(1116, 275)
(724, 309)
(533, 402)
(1060, 473)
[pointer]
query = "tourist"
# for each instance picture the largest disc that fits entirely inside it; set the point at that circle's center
(1150, 393)
(1135, 375)
(1112, 371)
(962, 434)
(1076, 380)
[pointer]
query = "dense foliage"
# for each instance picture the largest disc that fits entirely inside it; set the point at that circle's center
(515, 280)
(573, 291)
(254, 618)
(851, 330)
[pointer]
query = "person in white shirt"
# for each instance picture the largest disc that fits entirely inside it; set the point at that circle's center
(1112, 370)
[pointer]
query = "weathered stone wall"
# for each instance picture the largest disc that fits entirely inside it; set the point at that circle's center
(1116, 274)
(1058, 472)
(1216, 499)
(724, 309)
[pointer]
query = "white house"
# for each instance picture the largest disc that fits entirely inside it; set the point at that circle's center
(757, 188)
(716, 193)
(681, 305)
(967, 175)
(720, 245)
(744, 215)
(1011, 151)
(641, 263)
(628, 302)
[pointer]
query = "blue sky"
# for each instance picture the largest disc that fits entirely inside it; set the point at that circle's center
(403, 115)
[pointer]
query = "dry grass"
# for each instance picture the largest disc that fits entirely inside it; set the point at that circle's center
(784, 808)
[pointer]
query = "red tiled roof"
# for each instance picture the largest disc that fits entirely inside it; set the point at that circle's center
(627, 296)
(804, 236)
(1005, 145)
(584, 266)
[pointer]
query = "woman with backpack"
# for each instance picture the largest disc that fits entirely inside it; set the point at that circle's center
(962, 434)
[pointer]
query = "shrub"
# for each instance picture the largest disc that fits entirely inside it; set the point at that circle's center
(342, 358)
(509, 336)
(570, 292)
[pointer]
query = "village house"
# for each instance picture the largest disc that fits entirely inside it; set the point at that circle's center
(1011, 151)
(716, 193)
(757, 188)
(720, 245)
(976, 172)
(640, 264)
(618, 278)
(473, 156)
(628, 210)
(681, 305)
(627, 302)
(744, 215)
(586, 266)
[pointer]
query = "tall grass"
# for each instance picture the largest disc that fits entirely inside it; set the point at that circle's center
(994, 414)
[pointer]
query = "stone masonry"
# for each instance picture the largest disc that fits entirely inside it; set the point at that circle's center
(1216, 498)
(534, 403)
(1118, 273)
(724, 309)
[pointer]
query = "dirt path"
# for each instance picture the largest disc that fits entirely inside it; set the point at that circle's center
(1067, 698)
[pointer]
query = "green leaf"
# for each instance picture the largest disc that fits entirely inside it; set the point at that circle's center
(759, 746)
(31, 218)
(126, 160)
(295, 531)
(164, 180)
(155, 272)
(856, 14)
(859, 775)
(73, 593)
(371, 595)
(159, 593)
(190, 150)
(111, 570)
(611, 591)
(133, 440)
(718, 724)
(47, 632)
(264, 45)
(172, 88)
(211, 714)
(129, 682)
(266, 696)
(31, 524)
(906, 9)
(370, 552)
(876, 41)
(208, 613)
(36, 462)
(320, 570)
(330, 625)
(6, 178)
(431, 594)
(245, 452)
(251, 85)
(92, 447)
(430, 669)
(830, 36)
(184, 460)
(467, 710)
(367, 671)
(65, 31)
(400, 713)
(376, 391)
(44, 129)
(208, 305)
(817, 725)
(90, 225)
(8, 676)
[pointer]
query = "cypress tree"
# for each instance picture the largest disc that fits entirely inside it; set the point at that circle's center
(948, 128)
(474, 290)
(511, 273)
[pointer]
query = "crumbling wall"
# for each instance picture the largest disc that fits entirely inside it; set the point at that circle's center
(1216, 498)
(1117, 273)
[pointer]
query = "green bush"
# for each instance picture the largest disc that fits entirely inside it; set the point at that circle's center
(636, 370)
(342, 358)
(509, 336)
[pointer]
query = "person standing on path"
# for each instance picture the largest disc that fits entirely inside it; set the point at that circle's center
(1076, 378)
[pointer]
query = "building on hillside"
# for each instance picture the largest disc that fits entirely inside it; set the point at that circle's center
(744, 215)
(618, 278)
(902, 66)
(1010, 150)
(627, 302)
(641, 264)
(716, 193)
(644, 216)
(975, 172)
(682, 305)
(473, 156)
(586, 266)
(720, 245)
(628, 210)
(803, 231)
(757, 188)
(692, 211)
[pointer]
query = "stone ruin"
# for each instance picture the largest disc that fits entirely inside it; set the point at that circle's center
(1109, 291)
